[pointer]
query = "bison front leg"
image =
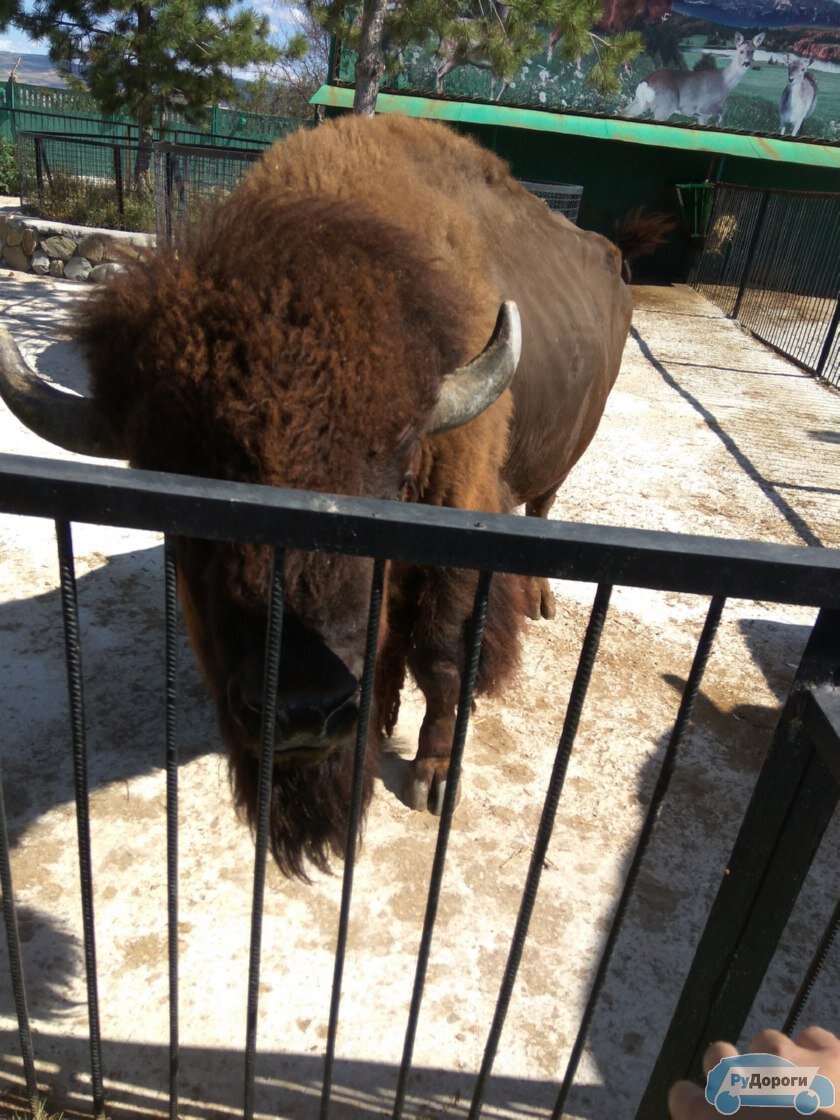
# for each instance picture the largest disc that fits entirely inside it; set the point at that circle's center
(540, 596)
(424, 785)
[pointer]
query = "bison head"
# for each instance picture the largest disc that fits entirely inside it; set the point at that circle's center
(326, 366)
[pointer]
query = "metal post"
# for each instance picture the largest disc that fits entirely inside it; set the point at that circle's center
(829, 338)
(118, 179)
(39, 164)
(745, 275)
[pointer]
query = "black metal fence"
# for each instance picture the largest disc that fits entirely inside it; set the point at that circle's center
(189, 177)
(771, 260)
(793, 801)
(115, 182)
(90, 182)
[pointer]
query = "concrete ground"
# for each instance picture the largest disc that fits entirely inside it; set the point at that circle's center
(707, 431)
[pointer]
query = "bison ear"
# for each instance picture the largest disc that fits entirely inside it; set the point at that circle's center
(468, 391)
(68, 421)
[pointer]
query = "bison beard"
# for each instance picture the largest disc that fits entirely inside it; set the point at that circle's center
(310, 806)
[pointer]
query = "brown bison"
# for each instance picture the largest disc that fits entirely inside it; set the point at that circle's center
(331, 360)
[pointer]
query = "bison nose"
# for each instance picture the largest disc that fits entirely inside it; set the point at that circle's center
(328, 715)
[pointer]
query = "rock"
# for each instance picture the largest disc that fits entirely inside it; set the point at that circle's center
(41, 263)
(16, 258)
(14, 234)
(103, 271)
(92, 248)
(29, 239)
(56, 268)
(59, 248)
(119, 250)
(77, 268)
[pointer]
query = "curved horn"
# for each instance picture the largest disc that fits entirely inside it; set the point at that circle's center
(70, 422)
(469, 390)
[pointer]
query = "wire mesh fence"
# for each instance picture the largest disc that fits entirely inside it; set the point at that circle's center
(771, 260)
(116, 182)
(104, 182)
(189, 177)
(563, 198)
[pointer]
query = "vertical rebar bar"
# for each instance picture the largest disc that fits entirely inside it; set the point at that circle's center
(814, 969)
(574, 709)
(269, 719)
(27, 1052)
(171, 609)
(362, 731)
(475, 635)
(686, 707)
(73, 654)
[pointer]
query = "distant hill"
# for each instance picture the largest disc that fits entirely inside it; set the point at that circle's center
(36, 69)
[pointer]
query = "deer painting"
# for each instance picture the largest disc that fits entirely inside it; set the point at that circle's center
(700, 94)
(798, 97)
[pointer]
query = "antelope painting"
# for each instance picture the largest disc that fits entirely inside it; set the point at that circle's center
(700, 94)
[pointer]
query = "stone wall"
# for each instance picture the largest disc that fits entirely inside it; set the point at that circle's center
(74, 252)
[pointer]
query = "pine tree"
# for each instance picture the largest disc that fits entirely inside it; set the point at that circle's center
(505, 35)
(149, 57)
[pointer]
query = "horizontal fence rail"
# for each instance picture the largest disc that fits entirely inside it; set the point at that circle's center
(771, 260)
(421, 534)
(794, 798)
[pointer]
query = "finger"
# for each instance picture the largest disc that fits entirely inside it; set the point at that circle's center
(817, 1038)
(686, 1102)
(771, 1042)
(716, 1053)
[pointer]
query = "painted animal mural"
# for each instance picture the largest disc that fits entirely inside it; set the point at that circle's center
(700, 94)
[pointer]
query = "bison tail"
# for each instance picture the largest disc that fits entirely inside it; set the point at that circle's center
(640, 233)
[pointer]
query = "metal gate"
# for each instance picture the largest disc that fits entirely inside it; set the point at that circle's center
(771, 260)
(792, 804)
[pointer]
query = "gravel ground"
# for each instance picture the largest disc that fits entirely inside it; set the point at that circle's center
(707, 431)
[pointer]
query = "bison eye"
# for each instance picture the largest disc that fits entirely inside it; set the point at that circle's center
(408, 491)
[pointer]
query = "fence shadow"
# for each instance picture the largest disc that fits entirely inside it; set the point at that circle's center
(121, 619)
(288, 1085)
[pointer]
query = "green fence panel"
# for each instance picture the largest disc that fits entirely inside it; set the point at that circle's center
(28, 108)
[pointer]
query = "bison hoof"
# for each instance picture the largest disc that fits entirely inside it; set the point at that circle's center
(540, 600)
(424, 786)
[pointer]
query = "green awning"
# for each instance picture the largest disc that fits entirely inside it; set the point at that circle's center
(595, 128)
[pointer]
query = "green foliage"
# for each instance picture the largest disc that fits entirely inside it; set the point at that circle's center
(8, 167)
(505, 41)
(152, 56)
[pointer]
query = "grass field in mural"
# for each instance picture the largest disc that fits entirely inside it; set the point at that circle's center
(687, 46)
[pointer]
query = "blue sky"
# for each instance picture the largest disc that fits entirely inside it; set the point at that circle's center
(281, 15)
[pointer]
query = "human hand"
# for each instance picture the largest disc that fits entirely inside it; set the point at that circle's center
(812, 1047)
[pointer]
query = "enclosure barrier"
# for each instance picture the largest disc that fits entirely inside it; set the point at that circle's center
(189, 176)
(771, 260)
(563, 198)
(25, 107)
(118, 183)
(794, 797)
